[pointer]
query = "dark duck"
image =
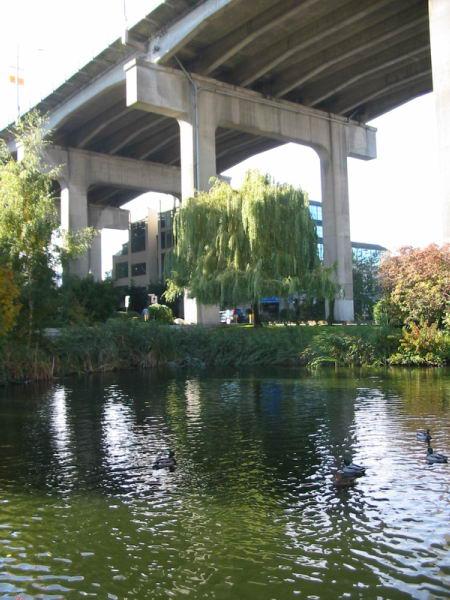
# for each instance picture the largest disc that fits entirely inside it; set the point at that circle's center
(424, 436)
(165, 460)
(434, 457)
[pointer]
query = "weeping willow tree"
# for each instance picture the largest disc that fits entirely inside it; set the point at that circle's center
(236, 246)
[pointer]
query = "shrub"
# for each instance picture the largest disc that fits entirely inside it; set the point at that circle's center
(422, 345)
(87, 301)
(417, 283)
(339, 349)
(387, 314)
(288, 315)
(161, 313)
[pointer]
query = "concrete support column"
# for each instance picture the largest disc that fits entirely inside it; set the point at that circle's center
(198, 165)
(336, 220)
(439, 19)
(74, 216)
(197, 150)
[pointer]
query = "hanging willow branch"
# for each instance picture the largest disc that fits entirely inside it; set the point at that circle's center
(236, 246)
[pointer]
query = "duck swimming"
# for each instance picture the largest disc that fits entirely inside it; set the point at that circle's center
(424, 436)
(350, 469)
(342, 479)
(435, 457)
(165, 460)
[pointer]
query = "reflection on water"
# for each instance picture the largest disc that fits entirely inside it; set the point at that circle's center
(250, 511)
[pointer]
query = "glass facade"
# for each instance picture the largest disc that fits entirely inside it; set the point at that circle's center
(315, 210)
(320, 250)
(121, 270)
(137, 235)
(360, 250)
(138, 269)
(165, 227)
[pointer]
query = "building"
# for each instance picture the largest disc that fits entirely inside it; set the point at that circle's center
(142, 259)
(360, 250)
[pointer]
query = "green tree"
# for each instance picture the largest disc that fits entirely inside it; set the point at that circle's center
(31, 244)
(9, 301)
(366, 287)
(87, 301)
(235, 246)
(416, 285)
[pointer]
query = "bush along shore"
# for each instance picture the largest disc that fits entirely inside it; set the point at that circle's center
(129, 344)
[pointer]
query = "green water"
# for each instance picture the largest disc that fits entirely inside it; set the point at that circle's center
(250, 511)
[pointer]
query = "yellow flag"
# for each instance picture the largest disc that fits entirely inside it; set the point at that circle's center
(18, 80)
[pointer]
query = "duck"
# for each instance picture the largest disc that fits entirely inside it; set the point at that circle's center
(165, 460)
(434, 457)
(424, 436)
(350, 469)
(342, 479)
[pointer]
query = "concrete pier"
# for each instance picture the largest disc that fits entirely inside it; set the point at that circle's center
(201, 105)
(439, 15)
(80, 171)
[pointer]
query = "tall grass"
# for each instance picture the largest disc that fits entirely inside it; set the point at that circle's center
(130, 344)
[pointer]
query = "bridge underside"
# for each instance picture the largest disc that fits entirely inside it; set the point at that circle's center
(201, 85)
(355, 58)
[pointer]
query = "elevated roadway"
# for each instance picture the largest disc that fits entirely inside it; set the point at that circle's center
(200, 85)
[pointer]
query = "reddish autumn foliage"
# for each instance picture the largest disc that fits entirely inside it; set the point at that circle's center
(416, 283)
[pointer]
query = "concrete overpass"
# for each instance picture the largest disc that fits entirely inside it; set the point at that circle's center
(199, 85)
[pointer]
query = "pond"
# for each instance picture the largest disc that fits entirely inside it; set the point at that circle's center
(250, 511)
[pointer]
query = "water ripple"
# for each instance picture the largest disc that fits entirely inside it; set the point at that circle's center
(250, 510)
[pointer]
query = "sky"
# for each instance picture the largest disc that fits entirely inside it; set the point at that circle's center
(394, 199)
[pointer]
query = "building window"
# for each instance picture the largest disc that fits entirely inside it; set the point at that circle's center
(163, 240)
(315, 211)
(138, 269)
(165, 219)
(319, 229)
(121, 270)
(320, 251)
(169, 240)
(137, 235)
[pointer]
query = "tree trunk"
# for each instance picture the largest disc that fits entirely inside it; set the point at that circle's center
(330, 316)
(256, 315)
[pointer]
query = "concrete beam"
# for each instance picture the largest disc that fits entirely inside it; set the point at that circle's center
(108, 217)
(122, 139)
(241, 37)
(314, 34)
(354, 101)
(88, 132)
(95, 168)
(167, 43)
(169, 92)
(325, 90)
(112, 78)
(291, 78)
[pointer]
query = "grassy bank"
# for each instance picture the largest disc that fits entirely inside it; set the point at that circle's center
(134, 344)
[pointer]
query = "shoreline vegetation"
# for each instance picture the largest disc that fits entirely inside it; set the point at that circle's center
(129, 343)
